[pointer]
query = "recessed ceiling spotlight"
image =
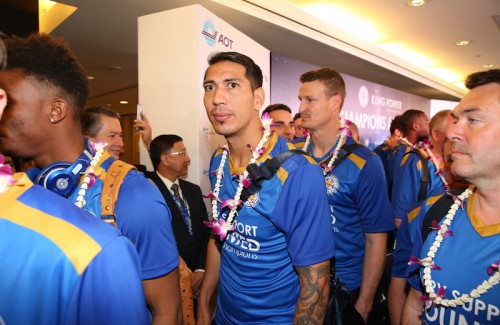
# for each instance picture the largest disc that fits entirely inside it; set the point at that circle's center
(114, 67)
(463, 43)
(416, 3)
(90, 77)
(487, 65)
(123, 102)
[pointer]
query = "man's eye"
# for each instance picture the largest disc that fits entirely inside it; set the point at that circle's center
(233, 85)
(209, 87)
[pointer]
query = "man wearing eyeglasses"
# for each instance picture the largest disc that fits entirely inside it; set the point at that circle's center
(171, 161)
(282, 120)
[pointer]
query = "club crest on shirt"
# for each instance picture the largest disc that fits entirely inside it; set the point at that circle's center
(252, 201)
(332, 184)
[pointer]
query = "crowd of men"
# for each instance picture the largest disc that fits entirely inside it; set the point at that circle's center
(88, 239)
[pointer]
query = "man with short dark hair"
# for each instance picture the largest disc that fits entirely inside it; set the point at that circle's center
(415, 128)
(171, 161)
(282, 120)
(409, 173)
(384, 150)
(268, 255)
(455, 271)
(48, 89)
(297, 124)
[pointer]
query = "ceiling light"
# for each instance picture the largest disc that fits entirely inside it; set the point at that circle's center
(123, 102)
(51, 14)
(408, 55)
(90, 77)
(445, 74)
(487, 65)
(114, 67)
(416, 3)
(345, 20)
(463, 43)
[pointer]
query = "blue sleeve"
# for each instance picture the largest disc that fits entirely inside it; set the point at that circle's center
(110, 289)
(413, 271)
(302, 213)
(402, 252)
(405, 186)
(372, 198)
(144, 218)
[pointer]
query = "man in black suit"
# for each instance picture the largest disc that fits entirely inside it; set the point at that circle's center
(171, 161)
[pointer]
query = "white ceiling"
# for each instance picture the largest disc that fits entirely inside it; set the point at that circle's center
(103, 33)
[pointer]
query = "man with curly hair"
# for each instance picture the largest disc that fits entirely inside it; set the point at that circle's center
(47, 89)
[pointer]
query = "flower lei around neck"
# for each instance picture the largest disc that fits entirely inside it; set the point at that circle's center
(427, 146)
(428, 262)
(90, 174)
(220, 226)
(343, 133)
(439, 170)
(6, 176)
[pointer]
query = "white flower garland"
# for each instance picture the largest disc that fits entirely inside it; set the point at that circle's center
(408, 143)
(439, 170)
(90, 173)
(428, 262)
(343, 132)
(222, 227)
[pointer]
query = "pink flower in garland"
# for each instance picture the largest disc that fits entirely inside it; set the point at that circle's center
(211, 195)
(494, 267)
(258, 152)
(244, 180)
(90, 173)
(437, 226)
(415, 260)
(231, 203)
(6, 178)
(266, 120)
(429, 300)
(427, 143)
(326, 168)
(98, 145)
(456, 199)
(220, 228)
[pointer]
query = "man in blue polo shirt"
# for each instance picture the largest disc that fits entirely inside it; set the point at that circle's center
(357, 191)
(48, 88)
(270, 254)
(61, 265)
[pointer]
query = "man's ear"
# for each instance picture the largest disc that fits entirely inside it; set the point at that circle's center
(259, 97)
(58, 110)
(163, 159)
(434, 134)
(336, 101)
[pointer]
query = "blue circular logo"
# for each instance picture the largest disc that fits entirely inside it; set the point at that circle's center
(209, 32)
